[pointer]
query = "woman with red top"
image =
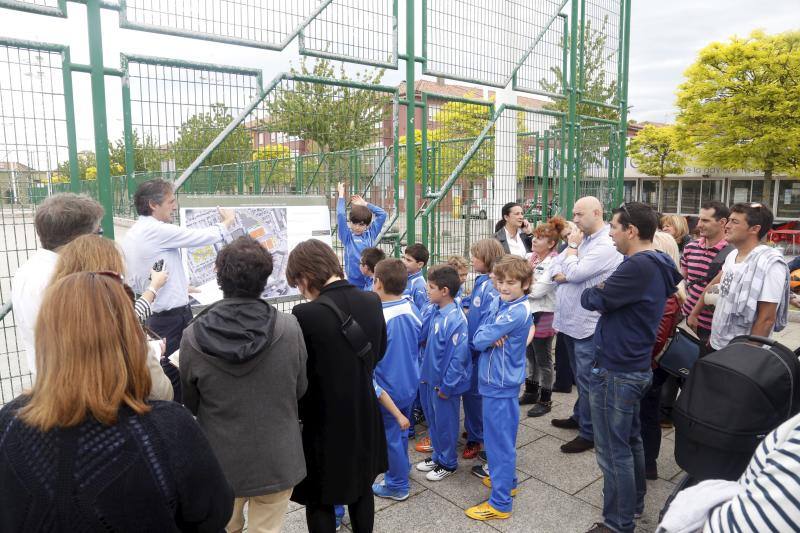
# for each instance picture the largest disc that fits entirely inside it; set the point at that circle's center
(539, 384)
(649, 404)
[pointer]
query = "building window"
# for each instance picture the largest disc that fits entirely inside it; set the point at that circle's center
(690, 197)
(757, 191)
(711, 190)
(650, 193)
(670, 198)
(629, 191)
(788, 199)
(740, 191)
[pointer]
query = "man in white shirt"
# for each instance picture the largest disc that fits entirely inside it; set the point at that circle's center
(753, 284)
(154, 237)
(59, 220)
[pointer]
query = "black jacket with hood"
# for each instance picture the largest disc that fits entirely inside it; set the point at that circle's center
(243, 369)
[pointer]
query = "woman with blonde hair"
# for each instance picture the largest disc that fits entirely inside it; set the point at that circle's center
(92, 253)
(84, 449)
(676, 226)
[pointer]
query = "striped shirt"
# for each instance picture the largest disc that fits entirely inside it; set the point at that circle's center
(695, 262)
(770, 500)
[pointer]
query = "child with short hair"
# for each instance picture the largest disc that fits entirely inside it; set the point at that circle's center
(357, 232)
(369, 258)
(415, 258)
(397, 373)
(485, 253)
(462, 267)
(502, 340)
(446, 367)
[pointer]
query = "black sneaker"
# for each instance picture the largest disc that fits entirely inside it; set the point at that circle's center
(482, 456)
(565, 423)
(540, 409)
(481, 471)
(577, 445)
(418, 416)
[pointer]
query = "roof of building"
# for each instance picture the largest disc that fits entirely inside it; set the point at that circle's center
(12, 165)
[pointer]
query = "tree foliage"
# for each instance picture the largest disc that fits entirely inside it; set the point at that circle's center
(740, 104)
(146, 154)
(273, 165)
(86, 159)
(332, 117)
(201, 129)
(657, 151)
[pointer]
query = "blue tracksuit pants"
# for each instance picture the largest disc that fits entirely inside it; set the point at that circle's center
(473, 408)
(396, 478)
(443, 424)
(501, 419)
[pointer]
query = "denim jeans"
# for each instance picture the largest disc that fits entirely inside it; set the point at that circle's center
(615, 398)
(649, 415)
(581, 359)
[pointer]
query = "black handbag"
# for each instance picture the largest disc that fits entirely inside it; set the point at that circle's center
(680, 355)
(351, 330)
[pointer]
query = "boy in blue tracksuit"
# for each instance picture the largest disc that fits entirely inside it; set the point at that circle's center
(446, 367)
(485, 253)
(357, 232)
(502, 340)
(415, 258)
(369, 258)
(397, 372)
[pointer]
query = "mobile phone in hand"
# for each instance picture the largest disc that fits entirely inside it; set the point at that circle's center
(158, 266)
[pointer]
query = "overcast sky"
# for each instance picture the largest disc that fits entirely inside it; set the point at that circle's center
(666, 37)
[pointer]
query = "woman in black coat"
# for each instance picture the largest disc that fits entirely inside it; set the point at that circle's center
(514, 226)
(343, 436)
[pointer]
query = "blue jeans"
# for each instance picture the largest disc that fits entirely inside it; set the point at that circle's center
(615, 398)
(396, 478)
(581, 359)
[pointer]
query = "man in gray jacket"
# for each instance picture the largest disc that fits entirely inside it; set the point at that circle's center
(243, 368)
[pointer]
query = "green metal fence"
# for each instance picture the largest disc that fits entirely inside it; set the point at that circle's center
(534, 111)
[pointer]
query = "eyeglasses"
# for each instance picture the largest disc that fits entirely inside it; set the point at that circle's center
(99, 231)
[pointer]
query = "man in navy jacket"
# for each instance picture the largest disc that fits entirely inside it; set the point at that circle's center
(630, 302)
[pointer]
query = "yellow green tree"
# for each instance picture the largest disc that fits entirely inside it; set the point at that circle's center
(740, 104)
(658, 151)
(273, 163)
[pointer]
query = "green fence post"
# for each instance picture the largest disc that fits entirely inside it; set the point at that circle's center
(127, 121)
(572, 170)
(240, 178)
(623, 104)
(99, 114)
(69, 108)
(411, 148)
(545, 209)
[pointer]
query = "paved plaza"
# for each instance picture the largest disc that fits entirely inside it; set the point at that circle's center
(558, 492)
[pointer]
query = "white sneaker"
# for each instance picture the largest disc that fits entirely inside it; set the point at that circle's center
(427, 465)
(439, 473)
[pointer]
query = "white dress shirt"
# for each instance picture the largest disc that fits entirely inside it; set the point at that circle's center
(149, 240)
(27, 291)
(515, 244)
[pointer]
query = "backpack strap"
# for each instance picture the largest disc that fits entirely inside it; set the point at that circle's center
(350, 329)
(717, 262)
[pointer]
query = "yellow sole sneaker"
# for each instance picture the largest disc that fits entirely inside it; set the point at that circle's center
(484, 512)
(488, 482)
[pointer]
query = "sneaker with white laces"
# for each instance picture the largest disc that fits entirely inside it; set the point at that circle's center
(481, 471)
(427, 465)
(439, 473)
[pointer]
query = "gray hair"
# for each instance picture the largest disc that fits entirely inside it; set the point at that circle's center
(63, 217)
(155, 191)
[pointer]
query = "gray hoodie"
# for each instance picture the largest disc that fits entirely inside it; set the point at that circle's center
(243, 368)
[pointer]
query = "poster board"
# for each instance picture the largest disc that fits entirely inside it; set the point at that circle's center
(279, 223)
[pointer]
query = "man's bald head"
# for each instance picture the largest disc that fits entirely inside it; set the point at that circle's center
(588, 214)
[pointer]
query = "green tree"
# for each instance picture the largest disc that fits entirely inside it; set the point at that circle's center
(86, 159)
(274, 165)
(657, 151)
(146, 154)
(740, 104)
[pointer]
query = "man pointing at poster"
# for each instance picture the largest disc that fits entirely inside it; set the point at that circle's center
(152, 238)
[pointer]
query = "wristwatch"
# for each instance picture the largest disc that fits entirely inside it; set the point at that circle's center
(152, 289)
(573, 245)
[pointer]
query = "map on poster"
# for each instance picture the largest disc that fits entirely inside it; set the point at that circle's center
(278, 229)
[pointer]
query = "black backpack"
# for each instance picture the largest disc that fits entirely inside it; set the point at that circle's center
(733, 398)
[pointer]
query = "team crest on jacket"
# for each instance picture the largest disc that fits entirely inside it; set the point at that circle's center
(436, 328)
(455, 339)
(477, 301)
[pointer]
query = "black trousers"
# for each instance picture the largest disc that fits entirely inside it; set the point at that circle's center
(564, 377)
(649, 417)
(321, 518)
(170, 325)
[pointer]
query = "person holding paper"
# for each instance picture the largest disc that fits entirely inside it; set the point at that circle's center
(154, 237)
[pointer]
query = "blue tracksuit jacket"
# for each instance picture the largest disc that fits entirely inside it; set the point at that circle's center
(398, 371)
(502, 370)
(355, 244)
(480, 305)
(446, 362)
(415, 290)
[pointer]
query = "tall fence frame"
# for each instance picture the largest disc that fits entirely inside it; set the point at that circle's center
(574, 53)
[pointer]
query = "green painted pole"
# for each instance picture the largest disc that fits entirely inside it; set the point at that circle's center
(623, 103)
(425, 178)
(127, 121)
(572, 171)
(411, 148)
(546, 188)
(72, 137)
(99, 114)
